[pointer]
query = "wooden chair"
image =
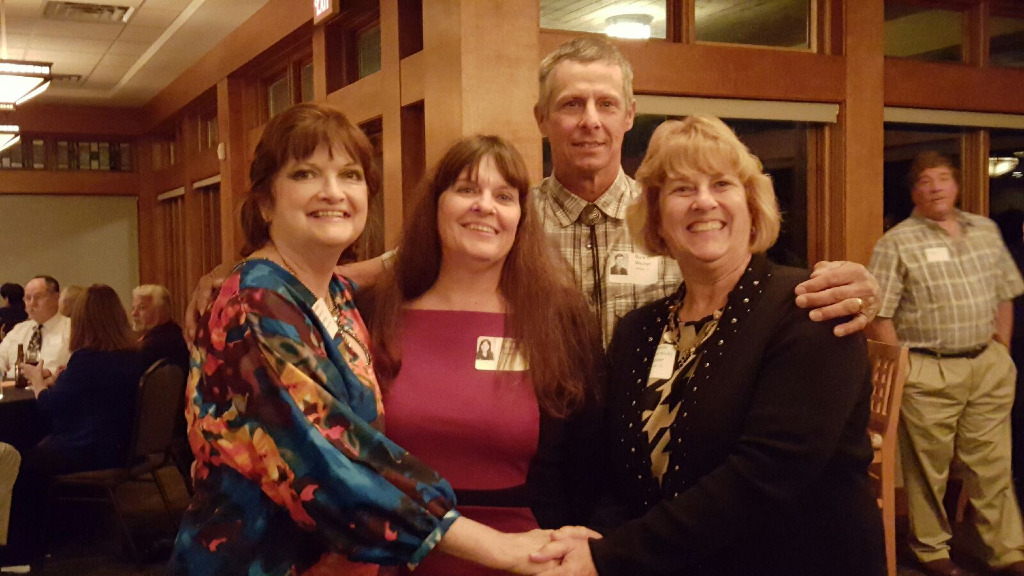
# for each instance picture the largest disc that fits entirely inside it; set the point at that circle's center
(160, 401)
(888, 374)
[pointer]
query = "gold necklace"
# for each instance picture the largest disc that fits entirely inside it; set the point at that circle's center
(347, 332)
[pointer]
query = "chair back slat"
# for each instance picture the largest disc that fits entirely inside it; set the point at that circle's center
(888, 374)
(160, 403)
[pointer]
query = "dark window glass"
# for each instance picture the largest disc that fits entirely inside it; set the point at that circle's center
(781, 23)
(1006, 41)
(368, 48)
(903, 142)
(1006, 184)
(306, 79)
(921, 33)
(279, 96)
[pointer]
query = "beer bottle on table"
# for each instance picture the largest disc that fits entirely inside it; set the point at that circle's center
(20, 380)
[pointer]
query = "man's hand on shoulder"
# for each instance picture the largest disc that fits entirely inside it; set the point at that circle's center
(840, 289)
(202, 298)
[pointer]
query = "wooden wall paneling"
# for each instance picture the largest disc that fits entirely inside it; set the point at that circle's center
(361, 100)
(481, 77)
(391, 119)
(679, 21)
(204, 164)
(72, 182)
(270, 24)
(725, 71)
(919, 84)
(43, 118)
(193, 217)
(413, 71)
(233, 124)
(974, 178)
(151, 268)
(855, 194)
(319, 64)
(414, 152)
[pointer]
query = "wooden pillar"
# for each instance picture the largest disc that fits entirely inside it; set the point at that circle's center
(233, 154)
(151, 262)
(482, 58)
(391, 120)
(857, 143)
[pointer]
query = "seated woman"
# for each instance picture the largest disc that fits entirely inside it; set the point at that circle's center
(293, 474)
(738, 426)
(90, 406)
(487, 354)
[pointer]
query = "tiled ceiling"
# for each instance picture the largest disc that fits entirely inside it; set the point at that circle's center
(121, 63)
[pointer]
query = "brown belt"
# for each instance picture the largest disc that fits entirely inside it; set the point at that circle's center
(972, 353)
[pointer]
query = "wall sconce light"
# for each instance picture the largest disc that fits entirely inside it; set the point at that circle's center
(633, 26)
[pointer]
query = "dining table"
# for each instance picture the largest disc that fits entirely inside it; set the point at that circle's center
(22, 424)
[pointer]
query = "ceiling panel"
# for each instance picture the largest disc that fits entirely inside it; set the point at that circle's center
(104, 52)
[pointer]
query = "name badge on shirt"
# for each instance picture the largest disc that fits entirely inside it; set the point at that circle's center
(631, 268)
(494, 353)
(664, 362)
(937, 254)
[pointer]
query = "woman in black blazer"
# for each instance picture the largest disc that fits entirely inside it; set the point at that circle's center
(737, 426)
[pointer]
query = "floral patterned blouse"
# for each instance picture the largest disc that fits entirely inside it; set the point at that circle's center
(292, 474)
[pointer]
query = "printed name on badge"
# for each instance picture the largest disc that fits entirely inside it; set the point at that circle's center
(664, 362)
(631, 268)
(494, 353)
(937, 254)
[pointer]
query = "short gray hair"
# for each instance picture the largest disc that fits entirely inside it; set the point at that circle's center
(155, 292)
(584, 49)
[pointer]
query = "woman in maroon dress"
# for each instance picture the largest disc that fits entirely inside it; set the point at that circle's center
(514, 433)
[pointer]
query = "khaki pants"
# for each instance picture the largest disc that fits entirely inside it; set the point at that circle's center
(961, 405)
(10, 461)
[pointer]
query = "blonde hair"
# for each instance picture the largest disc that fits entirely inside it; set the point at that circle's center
(705, 145)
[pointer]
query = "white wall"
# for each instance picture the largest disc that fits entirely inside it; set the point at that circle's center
(80, 240)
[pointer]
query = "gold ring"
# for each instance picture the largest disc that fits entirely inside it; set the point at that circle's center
(860, 305)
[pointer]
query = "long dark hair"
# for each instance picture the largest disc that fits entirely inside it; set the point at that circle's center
(547, 315)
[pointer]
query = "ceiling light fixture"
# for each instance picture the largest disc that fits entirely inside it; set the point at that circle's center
(633, 26)
(999, 166)
(9, 136)
(20, 80)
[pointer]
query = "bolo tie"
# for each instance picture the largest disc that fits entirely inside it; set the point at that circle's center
(590, 217)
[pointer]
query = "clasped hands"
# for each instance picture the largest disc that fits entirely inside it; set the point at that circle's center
(562, 552)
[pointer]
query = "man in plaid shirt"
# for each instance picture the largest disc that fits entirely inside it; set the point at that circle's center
(947, 284)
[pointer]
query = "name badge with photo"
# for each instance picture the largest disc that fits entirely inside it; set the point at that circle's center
(937, 254)
(664, 362)
(631, 268)
(494, 353)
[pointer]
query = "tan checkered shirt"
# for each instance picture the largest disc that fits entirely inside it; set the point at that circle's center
(941, 292)
(560, 211)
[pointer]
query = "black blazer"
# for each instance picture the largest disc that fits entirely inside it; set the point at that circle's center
(767, 473)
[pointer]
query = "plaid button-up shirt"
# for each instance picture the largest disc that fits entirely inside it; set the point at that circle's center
(942, 292)
(647, 278)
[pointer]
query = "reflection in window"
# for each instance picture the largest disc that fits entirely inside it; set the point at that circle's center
(923, 33)
(781, 23)
(368, 49)
(278, 96)
(903, 142)
(1006, 41)
(596, 17)
(782, 148)
(1006, 190)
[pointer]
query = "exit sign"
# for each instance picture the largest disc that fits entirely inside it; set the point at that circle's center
(323, 10)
